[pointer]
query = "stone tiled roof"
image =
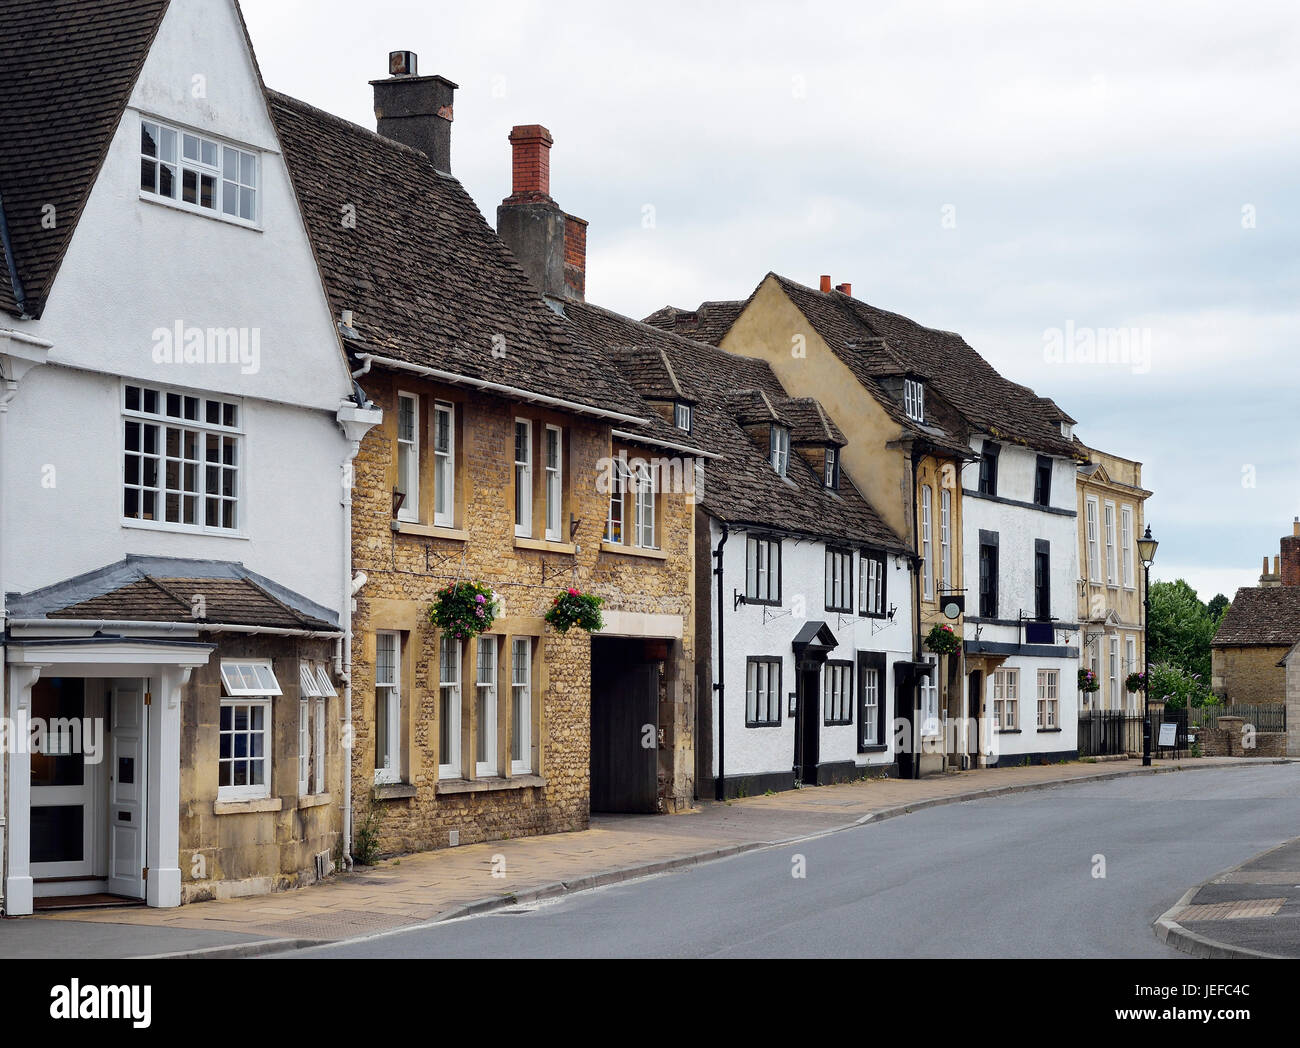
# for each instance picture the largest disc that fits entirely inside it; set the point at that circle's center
(710, 323)
(1261, 617)
(809, 423)
(152, 589)
(875, 343)
(428, 280)
(67, 70)
(742, 488)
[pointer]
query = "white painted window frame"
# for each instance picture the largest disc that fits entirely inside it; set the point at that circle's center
(683, 416)
(521, 709)
(870, 703)
(1126, 546)
(914, 399)
(523, 480)
(930, 726)
(390, 693)
(216, 171)
(780, 450)
(553, 440)
(485, 693)
(1006, 699)
(1113, 675)
(247, 792)
(759, 582)
(927, 541)
(1092, 514)
(618, 497)
(645, 533)
(451, 656)
(1112, 558)
(945, 537)
(444, 466)
(1049, 698)
(839, 581)
(837, 694)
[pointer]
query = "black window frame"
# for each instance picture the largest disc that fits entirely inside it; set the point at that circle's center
(779, 692)
(1043, 481)
(838, 551)
(988, 579)
(988, 483)
(848, 695)
(1042, 580)
(882, 562)
(872, 660)
(772, 541)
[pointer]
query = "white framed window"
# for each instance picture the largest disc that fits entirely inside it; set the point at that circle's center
(1112, 570)
(780, 450)
(927, 540)
(314, 686)
(408, 456)
(318, 751)
(763, 693)
(1006, 700)
(1093, 543)
(644, 483)
(1131, 664)
(523, 478)
(255, 678)
(831, 476)
(763, 570)
(683, 416)
(871, 584)
(304, 747)
(449, 705)
(1126, 544)
(914, 399)
(388, 708)
(837, 693)
(1049, 703)
(444, 465)
(244, 749)
(182, 456)
(554, 484)
(870, 705)
(1112, 675)
(323, 681)
(620, 484)
(521, 706)
(945, 537)
(839, 580)
(485, 752)
(198, 173)
(930, 727)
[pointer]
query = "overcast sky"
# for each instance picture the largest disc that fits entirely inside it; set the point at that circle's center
(1002, 169)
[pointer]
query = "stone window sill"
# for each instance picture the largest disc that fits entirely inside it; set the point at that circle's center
(396, 792)
(451, 787)
(633, 551)
(315, 801)
(247, 807)
(545, 546)
(428, 531)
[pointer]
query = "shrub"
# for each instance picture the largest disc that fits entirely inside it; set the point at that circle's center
(464, 610)
(573, 609)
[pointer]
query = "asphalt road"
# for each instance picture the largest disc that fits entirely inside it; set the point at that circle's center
(1006, 877)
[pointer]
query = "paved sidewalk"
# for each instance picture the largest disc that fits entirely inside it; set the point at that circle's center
(437, 885)
(1252, 910)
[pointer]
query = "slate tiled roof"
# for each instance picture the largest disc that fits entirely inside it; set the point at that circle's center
(67, 70)
(742, 488)
(809, 423)
(650, 372)
(154, 589)
(1261, 617)
(428, 280)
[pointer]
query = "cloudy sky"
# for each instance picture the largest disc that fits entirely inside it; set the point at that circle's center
(1018, 172)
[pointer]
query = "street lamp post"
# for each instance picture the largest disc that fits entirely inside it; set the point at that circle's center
(1147, 552)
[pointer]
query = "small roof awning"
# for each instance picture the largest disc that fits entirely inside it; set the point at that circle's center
(906, 673)
(815, 639)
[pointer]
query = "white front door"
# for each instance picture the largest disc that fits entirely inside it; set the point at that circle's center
(126, 790)
(64, 813)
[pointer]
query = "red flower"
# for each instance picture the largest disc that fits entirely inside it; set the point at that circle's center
(574, 593)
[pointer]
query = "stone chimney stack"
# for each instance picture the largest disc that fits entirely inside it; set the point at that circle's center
(416, 110)
(1291, 557)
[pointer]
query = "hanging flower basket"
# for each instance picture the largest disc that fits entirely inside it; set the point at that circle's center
(464, 610)
(1088, 682)
(573, 609)
(1135, 682)
(942, 640)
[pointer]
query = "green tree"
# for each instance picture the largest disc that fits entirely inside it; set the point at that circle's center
(1181, 629)
(1218, 606)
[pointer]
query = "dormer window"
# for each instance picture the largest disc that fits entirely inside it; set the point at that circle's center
(832, 471)
(683, 416)
(780, 450)
(914, 399)
(197, 173)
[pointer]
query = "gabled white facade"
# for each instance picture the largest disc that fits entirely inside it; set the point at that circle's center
(1021, 529)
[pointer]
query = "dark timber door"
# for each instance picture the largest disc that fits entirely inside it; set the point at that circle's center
(624, 729)
(975, 704)
(904, 710)
(808, 729)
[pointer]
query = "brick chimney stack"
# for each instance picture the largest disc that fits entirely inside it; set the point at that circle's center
(1291, 557)
(549, 244)
(416, 110)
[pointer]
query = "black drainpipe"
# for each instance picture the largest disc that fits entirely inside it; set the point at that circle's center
(11, 263)
(916, 605)
(720, 687)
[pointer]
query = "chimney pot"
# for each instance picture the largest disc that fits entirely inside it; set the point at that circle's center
(826, 285)
(1296, 528)
(845, 289)
(416, 110)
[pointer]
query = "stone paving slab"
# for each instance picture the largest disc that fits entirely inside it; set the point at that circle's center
(435, 885)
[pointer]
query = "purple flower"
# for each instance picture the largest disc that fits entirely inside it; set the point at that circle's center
(479, 613)
(480, 599)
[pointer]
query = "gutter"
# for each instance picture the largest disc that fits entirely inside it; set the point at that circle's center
(513, 392)
(720, 685)
(639, 438)
(99, 625)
